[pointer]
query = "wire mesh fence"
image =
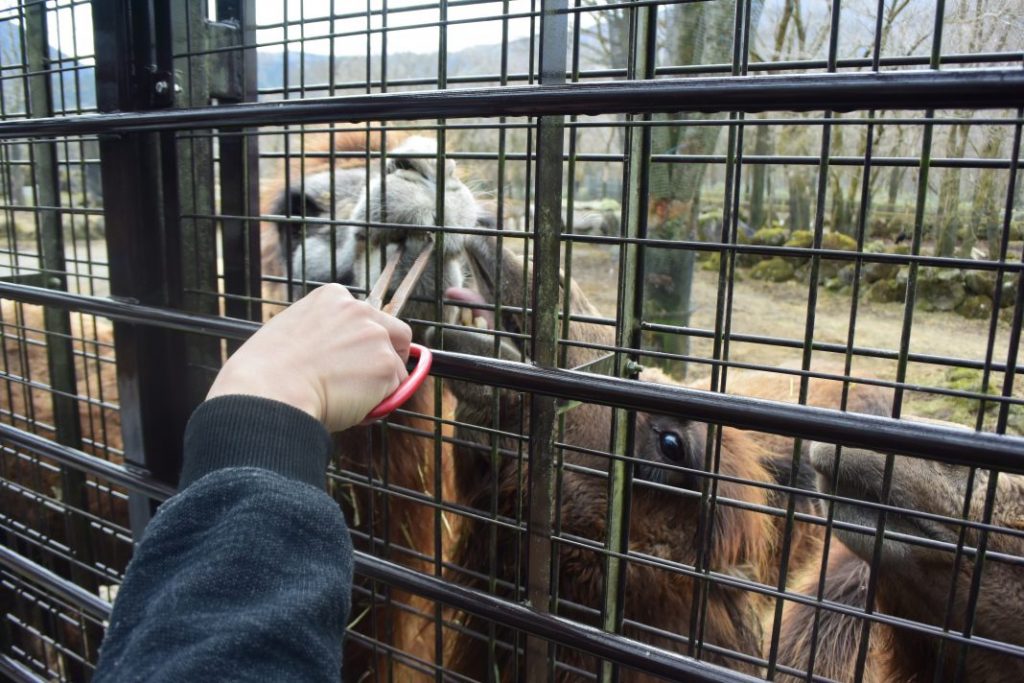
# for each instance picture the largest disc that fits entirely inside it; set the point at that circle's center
(725, 297)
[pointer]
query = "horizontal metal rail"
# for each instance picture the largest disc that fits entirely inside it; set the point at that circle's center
(129, 478)
(91, 604)
(948, 444)
(557, 629)
(16, 671)
(910, 90)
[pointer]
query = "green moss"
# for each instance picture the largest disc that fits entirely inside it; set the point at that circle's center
(873, 272)
(837, 241)
(800, 238)
(711, 261)
(886, 291)
(980, 282)
(772, 237)
(940, 289)
(773, 270)
(975, 306)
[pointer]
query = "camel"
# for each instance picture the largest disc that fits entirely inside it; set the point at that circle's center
(411, 454)
(914, 581)
(669, 473)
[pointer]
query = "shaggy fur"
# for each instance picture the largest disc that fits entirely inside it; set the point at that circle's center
(914, 582)
(403, 527)
(665, 504)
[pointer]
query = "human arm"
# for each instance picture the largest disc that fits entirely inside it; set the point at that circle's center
(246, 573)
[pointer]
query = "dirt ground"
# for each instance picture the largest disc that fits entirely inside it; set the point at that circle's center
(780, 310)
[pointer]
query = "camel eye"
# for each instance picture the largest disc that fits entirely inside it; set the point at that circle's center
(671, 446)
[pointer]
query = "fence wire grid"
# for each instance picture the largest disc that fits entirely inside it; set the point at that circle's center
(725, 298)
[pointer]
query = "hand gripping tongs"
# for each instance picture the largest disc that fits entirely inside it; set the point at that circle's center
(421, 354)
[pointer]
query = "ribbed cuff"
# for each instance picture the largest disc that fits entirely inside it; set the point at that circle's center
(248, 431)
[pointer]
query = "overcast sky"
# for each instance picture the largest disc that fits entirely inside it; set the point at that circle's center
(76, 22)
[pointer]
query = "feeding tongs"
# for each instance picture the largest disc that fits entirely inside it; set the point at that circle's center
(394, 307)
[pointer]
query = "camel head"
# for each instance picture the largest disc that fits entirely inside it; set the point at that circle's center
(918, 572)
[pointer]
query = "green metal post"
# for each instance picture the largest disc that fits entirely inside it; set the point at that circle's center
(544, 342)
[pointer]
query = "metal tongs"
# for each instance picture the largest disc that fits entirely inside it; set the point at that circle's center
(421, 354)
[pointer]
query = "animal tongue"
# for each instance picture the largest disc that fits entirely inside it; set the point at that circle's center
(469, 296)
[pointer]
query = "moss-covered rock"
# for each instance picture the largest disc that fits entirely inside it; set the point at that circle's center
(711, 261)
(969, 379)
(975, 306)
(886, 291)
(983, 283)
(980, 282)
(888, 227)
(1008, 295)
(767, 237)
(837, 241)
(773, 270)
(771, 237)
(940, 289)
(875, 271)
(800, 238)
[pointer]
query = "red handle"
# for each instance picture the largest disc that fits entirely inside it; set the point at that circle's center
(408, 386)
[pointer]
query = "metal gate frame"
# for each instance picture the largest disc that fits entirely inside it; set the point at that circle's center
(166, 331)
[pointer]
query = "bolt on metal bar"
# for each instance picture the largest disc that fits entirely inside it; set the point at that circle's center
(975, 88)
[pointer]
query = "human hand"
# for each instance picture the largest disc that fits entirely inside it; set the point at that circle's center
(327, 354)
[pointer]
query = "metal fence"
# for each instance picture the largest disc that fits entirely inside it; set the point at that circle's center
(737, 271)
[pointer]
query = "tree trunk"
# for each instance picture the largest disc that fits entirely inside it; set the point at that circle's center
(762, 147)
(700, 33)
(949, 195)
(985, 207)
(799, 200)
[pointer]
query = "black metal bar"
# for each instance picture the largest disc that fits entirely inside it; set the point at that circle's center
(916, 439)
(555, 629)
(239, 181)
(59, 351)
(140, 189)
(132, 478)
(16, 671)
(975, 88)
(541, 493)
(189, 187)
(76, 595)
